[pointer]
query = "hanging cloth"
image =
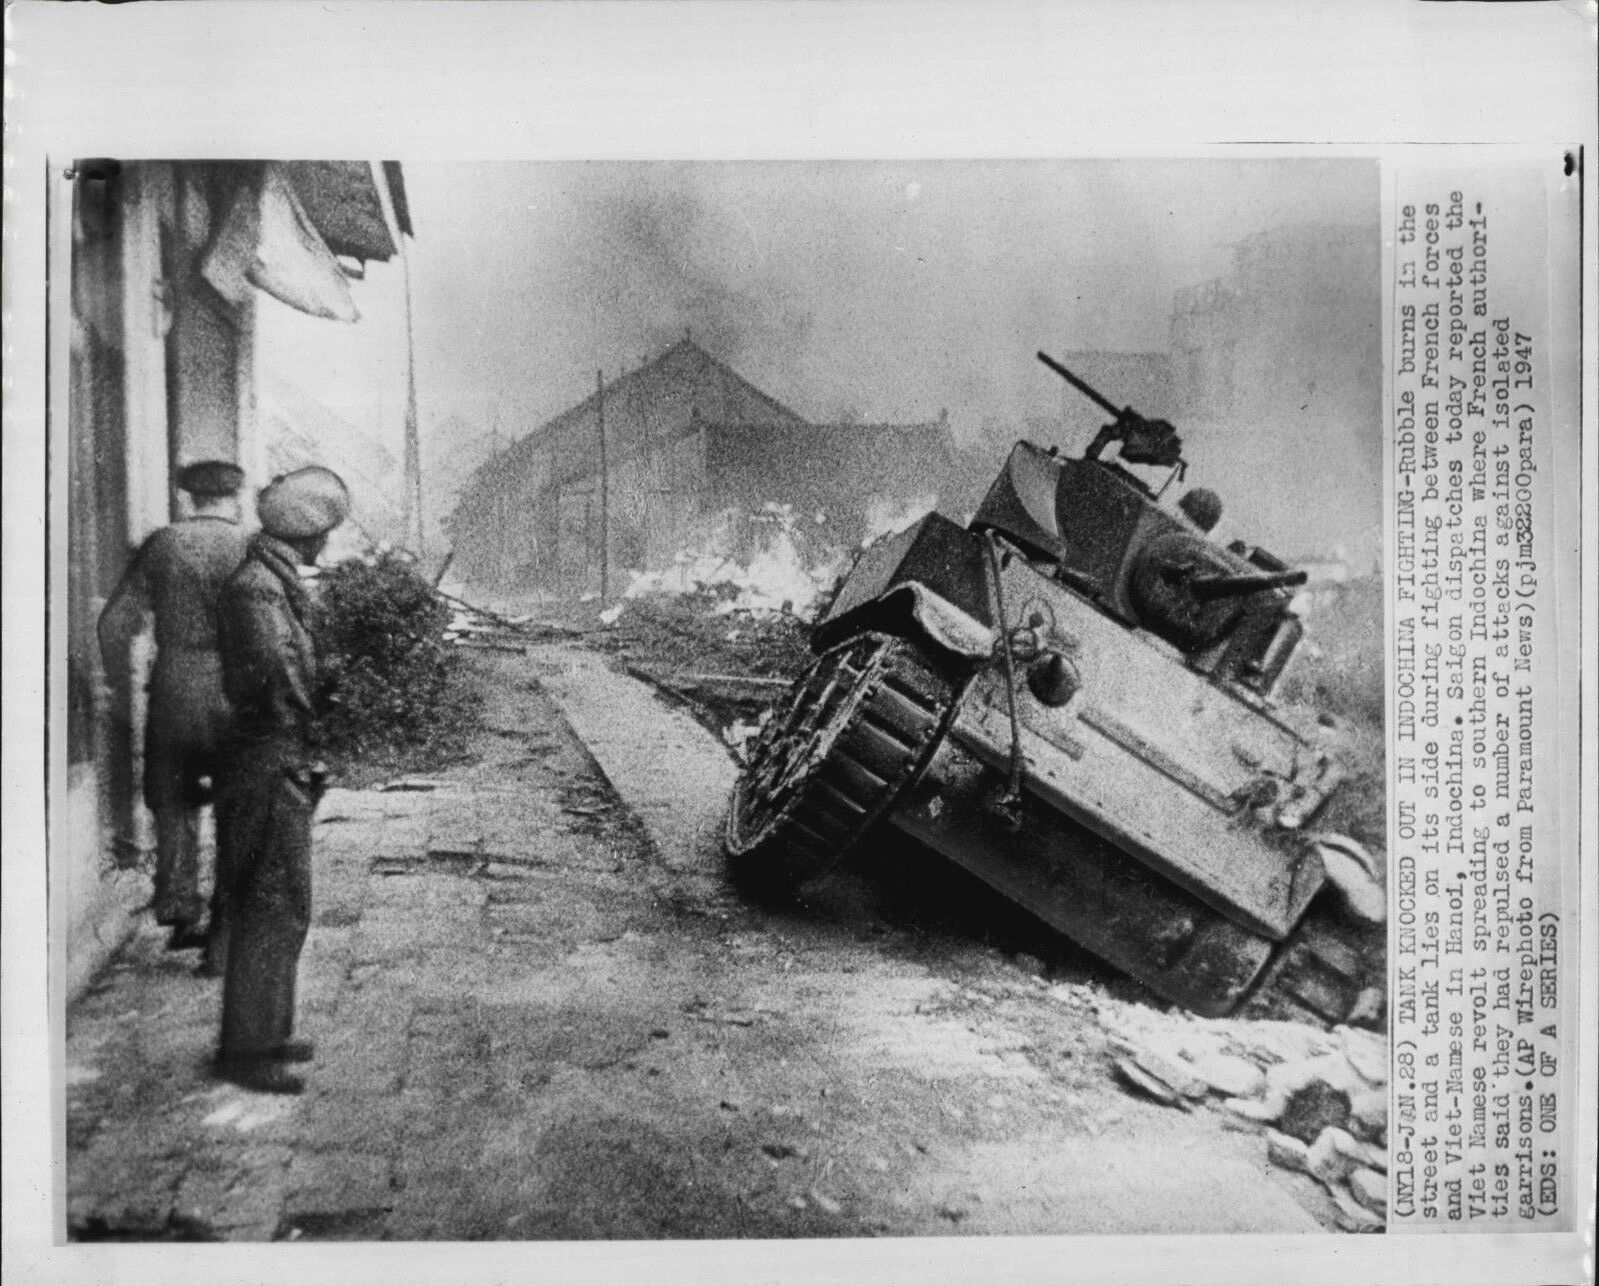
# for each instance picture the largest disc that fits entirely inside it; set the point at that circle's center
(268, 240)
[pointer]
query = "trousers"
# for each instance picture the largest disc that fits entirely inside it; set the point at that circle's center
(177, 866)
(262, 911)
(188, 716)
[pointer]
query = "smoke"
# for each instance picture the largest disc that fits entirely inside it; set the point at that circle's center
(885, 291)
(677, 267)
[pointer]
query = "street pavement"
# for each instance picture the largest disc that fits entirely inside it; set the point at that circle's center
(539, 1012)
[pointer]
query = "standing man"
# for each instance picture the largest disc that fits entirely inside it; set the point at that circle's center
(176, 578)
(272, 780)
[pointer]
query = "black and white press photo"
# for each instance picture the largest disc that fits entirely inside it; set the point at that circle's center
(722, 700)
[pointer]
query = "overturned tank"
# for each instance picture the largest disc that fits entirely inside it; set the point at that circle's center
(1071, 697)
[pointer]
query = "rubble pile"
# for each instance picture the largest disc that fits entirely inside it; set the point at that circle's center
(685, 634)
(725, 668)
(1319, 1097)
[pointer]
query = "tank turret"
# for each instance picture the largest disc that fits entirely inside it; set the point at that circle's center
(1100, 529)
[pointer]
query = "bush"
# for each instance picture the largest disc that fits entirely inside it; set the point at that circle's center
(398, 691)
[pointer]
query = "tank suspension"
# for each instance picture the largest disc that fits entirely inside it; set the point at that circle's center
(1011, 801)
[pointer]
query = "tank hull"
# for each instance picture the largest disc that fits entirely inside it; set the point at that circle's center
(1143, 825)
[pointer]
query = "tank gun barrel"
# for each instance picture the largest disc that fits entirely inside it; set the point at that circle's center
(1206, 588)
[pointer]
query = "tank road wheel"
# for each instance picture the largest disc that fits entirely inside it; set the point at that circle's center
(836, 751)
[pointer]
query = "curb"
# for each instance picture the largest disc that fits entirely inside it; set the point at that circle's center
(103, 929)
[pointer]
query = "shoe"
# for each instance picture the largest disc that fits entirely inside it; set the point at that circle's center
(186, 937)
(295, 1051)
(261, 1075)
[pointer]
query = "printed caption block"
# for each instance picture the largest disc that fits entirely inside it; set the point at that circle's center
(1480, 1083)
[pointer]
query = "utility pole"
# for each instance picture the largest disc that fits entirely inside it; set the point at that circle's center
(605, 491)
(413, 442)
(651, 481)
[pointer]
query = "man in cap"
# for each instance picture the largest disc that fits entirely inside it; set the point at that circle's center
(176, 578)
(272, 781)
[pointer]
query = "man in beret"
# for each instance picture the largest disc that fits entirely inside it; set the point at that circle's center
(272, 780)
(176, 578)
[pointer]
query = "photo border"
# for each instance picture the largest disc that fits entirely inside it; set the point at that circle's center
(731, 81)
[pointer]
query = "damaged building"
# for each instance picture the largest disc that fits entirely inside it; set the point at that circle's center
(637, 471)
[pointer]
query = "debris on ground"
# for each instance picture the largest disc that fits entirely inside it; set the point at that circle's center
(826, 1203)
(1132, 1073)
(1320, 1097)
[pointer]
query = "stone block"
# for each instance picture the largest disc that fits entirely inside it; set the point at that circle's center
(238, 1202)
(1333, 1155)
(1173, 1071)
(1370, 1189)
(1286, 1151)
(1368, 1116)
(1352, 1216)
(1229, 1074)
(1287, 1042)
(338, 1179)
(1367, 1052)
(339, 1117)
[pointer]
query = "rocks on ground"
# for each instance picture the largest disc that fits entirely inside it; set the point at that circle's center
(1320, 1097)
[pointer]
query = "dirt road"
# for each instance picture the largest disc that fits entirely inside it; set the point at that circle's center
(897, 1073)
(541, 1013)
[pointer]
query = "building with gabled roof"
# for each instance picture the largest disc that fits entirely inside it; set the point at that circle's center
(296, 429)
(685, 438)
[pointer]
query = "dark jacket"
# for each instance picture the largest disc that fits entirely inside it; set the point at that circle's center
(269, 669)
(177, 577)
(262, 908)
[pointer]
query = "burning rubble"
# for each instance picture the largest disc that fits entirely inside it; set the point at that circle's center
(725, 628)
(774, 560)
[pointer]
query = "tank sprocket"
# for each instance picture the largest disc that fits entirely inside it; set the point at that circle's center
(847, 738)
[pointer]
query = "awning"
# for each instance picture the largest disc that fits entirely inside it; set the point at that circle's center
(341, 198)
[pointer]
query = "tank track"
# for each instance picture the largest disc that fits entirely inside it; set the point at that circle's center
(1330, 966)
(847, 738)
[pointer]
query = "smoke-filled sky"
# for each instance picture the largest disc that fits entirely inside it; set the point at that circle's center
(881, 290)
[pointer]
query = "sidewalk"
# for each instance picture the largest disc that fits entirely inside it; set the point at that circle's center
(435, 959)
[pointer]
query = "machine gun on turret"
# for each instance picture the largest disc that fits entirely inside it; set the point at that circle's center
(1143, 440)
